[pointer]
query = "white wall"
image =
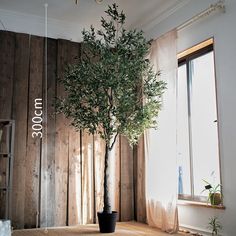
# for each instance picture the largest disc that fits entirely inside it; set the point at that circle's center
(221, 26)
(35, 25)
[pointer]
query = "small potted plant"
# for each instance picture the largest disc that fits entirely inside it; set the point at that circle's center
(214, 225)
(214, 195)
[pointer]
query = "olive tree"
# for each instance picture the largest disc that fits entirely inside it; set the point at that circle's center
(113, 89)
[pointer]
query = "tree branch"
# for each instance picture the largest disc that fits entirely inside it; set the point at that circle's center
(113, 143)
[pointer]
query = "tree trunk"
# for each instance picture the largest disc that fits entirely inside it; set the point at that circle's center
(107, 198)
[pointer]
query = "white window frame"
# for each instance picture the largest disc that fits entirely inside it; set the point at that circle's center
(184, 58)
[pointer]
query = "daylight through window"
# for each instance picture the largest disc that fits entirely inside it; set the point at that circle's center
(197, 131)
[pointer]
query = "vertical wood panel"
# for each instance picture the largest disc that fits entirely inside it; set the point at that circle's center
(68, 53)
(7, 54)
(7, 51)
(61, 147)
(20, 113)
(135, 179)
(114, 177)
(117, 172)
(3, 170)
(74, 211)
(72, 171)
(127, 191)
(33, 144)
(47, 195)
(75, 175)
(87, 178)
(140, 182)
(99, 160)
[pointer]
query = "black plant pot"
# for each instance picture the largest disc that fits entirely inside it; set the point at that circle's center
(107, 221)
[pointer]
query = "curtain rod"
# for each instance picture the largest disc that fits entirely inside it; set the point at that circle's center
(219, 6)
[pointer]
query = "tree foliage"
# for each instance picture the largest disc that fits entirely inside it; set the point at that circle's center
(107, 88)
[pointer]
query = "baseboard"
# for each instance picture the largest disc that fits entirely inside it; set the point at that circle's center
(195, 229)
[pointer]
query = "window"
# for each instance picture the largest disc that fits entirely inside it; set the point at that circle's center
(197, 131)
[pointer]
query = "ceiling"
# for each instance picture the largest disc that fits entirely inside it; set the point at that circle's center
(139, 12)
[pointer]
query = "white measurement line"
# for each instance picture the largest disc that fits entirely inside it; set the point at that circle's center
(45, 110)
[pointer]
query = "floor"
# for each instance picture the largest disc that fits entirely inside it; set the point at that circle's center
(122, 229)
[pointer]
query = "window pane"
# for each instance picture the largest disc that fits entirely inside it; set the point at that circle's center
(205, 151)
(183, 133)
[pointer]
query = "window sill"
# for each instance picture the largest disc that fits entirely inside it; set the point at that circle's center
(199, 204)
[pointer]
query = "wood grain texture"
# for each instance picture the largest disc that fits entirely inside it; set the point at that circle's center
(65, 185)
(61, 144)
(122, 229)
(99, 160)
(47, 193)
(20, 114)
(127, 183)
(3, 171)
(115, 173)
(140, 197)
(68, 53)
(75, 175)
(3, 182)
(87, 179)
(33, 156)
(74, 211)
(117, 177)
(7, 53)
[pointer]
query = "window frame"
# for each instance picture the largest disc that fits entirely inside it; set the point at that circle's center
(185, 60)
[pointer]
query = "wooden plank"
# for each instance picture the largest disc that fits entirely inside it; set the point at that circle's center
(33, 144)
(7, 54)
(87, 179)
(3, 200)
(117, 177)
(127, 190)
(75, 175)
(135, 171)
(20, 113)
(68, 53)
(3, 170)
(74, 211)
(3, 165)
(47, 193)
(61, 144)
(114, 168)
(99, 160)
(122, 229)
(140, 205)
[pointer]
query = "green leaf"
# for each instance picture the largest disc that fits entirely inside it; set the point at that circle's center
(106, 89)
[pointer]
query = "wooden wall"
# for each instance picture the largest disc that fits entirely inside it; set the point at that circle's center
(56, 179)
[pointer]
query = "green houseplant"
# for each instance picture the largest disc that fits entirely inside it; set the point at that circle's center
(214, 225)
(214, 193)
(107, 88)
